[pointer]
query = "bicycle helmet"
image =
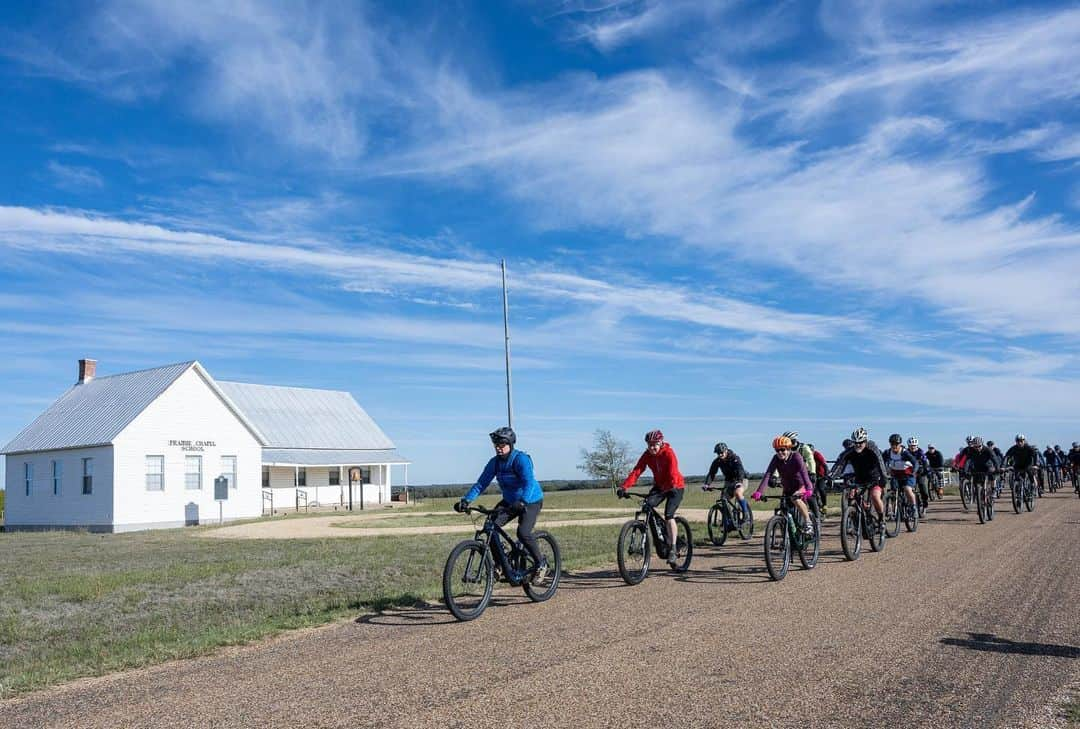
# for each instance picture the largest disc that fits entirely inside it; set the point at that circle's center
(503, 436)
(848, 443)
(896, 439)
(1075, 444)
(781, 441)
(859, 436)
(989, 444)
(977, 441)
(969, 439)
(1020, 438)
(793, 434)
(913, 442)
(720, 448)
(654, 436)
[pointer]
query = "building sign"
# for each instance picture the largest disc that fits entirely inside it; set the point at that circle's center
(193, 445)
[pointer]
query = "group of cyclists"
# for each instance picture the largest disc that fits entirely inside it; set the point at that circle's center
(800, 470)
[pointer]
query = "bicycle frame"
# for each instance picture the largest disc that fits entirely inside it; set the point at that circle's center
(514, 566)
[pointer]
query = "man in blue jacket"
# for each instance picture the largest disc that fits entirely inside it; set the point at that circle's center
(521, 493)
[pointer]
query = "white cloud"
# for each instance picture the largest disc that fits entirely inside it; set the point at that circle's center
(72, 177)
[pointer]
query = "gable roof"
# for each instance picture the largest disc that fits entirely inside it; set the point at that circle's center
(300, 417)
(94, 413)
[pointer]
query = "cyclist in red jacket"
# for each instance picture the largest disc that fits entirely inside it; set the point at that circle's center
(668, 484)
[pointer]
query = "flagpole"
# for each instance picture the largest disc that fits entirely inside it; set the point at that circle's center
(506, 334)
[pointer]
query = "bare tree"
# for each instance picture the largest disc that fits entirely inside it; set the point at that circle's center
(609, 460)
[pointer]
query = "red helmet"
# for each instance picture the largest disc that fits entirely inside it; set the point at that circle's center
(781, 441)
(654, 436)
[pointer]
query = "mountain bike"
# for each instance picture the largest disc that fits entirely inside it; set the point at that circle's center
(474, 566)
(784, 534)
(899, 509)
(1022, 490)
(727, 516)
(983, 496)
(648, 531)
(858, 521)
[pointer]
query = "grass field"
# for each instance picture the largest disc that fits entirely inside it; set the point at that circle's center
(406, 519)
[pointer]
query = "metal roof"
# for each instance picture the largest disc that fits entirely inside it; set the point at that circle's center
(301, 418)
(325, 457)
(95, 412)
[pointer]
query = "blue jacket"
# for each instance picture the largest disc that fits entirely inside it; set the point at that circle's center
(515, 476)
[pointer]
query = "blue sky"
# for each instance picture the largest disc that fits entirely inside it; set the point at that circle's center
(723, 219)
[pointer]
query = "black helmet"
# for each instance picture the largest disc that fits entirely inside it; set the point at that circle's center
(848, 442)
(989, 444)
(720, 448)
(503, 435)
(896, 439)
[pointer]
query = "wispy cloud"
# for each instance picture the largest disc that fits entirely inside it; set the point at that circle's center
(71, 177)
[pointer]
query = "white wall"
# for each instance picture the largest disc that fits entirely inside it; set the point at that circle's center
(187, 410)
(319, 489)
(72, 507)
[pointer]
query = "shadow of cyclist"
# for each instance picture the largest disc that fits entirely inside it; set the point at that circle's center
(990, 642)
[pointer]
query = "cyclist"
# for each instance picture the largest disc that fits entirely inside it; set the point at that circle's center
(980, 460)
(1023, 457)
(793, 477)
(820, 471)
(729, 463)
(922, 474)
(1050, 456)
(902, 466)
(521, 493)
(936, 459)
(1074, 462)
(866, 466)
(803, 449)
(999, 461)
(668, 484)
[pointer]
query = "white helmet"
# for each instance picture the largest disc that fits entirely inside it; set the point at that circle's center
(913, 442)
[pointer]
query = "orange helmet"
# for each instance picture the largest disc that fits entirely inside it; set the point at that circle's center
(781, 441)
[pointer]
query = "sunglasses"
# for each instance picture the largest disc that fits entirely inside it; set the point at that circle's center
(783, 450)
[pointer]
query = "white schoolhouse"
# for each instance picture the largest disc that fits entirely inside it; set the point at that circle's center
(142, 450)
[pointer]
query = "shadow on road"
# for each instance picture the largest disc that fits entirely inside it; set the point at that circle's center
(990, 642)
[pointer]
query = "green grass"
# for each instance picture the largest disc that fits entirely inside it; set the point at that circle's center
(77, 604)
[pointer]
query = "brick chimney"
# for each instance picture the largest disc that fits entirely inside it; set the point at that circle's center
(87, 370)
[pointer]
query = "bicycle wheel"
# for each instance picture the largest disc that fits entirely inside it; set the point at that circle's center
(777, 548)
(892, 514)
(684, 544)
(1016, 491)
(715, 523)
(633, 552)
(468, 579)
(851, 532)
(811, 547)
(541, 590)
(965, 493)
(911, 517)
(744, 522)
(1029, 497)
(876, 531)
(980, 503)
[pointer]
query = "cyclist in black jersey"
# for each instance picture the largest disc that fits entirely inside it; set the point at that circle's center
(728, 462)
(864, 466)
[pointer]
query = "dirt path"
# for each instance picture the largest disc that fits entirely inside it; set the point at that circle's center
(957, 625)
(320, 527)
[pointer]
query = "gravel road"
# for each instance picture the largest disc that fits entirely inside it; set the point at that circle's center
(958, 625)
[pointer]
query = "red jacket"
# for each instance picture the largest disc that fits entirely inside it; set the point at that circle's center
(822, 465)
(664, 466)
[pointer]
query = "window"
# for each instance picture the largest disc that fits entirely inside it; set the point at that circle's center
(301, 477)
(155, 473)
(335, 476)
(193, 472)
(57, 477)
(88, 475)
(28, 476)
(228, 469)
(266, 477)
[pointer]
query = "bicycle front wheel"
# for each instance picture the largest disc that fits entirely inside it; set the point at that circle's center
(851, 532)
(777, 548)
(892, 514)
(1016, 490)
(980, 503)
(633, 552)
(716, 525)
(468, 579)
(911, 517)
(744, 522)
(811, 546)
(965, 494)
(1029, 498)
(540, 589)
